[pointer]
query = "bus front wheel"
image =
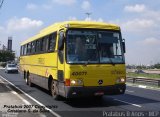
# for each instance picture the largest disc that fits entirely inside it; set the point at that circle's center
(54, 91)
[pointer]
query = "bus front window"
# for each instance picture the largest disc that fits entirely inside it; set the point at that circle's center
(93, 46)
(82, 48)
(110, 47)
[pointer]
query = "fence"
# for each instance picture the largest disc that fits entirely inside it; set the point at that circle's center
(146, 81)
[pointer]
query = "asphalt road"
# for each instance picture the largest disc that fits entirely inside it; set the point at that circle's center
(137, 101)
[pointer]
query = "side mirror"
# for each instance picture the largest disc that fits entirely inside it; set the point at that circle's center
(61, 41)
(123, 46)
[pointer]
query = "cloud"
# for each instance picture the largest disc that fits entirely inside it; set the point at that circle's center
(86, 5)
(155, 15)
(31, 6)
(141, 32)
(147, 13)
(96, 20)
(1, 28)
(100, 20)
(151, 41)
(146, 50)
(86, 19)
(65, 2)
(138, 25)
(24, 23)
(20, 29)
(136, 8)
(72, 18)
(142, 25)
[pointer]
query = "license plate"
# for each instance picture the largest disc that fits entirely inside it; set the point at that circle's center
(99, 93)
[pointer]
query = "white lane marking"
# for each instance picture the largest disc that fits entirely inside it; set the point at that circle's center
(15, 93)
(26, 102)
(142, 86)
(129, 91)
(129, 103)
(52, 112)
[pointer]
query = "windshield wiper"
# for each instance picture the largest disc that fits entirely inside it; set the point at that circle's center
(109, 56)
(111, 61)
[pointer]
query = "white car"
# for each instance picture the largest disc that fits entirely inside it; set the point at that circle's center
(11, 68)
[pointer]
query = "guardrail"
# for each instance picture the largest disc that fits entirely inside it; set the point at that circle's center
(146, 81)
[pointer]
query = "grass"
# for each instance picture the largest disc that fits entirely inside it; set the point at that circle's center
(143, 75)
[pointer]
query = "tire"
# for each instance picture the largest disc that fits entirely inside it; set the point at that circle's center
(120, 91)
(26, 78)
(24, 75)
(54, 91)
(30, 82)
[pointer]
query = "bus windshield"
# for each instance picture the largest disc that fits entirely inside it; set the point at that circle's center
(94, 46)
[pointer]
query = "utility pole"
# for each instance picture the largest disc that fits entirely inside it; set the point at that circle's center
(88, 15)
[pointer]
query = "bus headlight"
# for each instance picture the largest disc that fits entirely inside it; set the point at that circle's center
(120, 80)
(73, 82)
(77, 82)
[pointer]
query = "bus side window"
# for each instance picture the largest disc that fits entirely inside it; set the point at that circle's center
(52, 42)
(28, 48)
(43, 44)
(38, 46)
(21, 52)
(25, 50)
(33, 47)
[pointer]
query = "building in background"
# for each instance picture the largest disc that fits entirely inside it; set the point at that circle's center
(9, 47)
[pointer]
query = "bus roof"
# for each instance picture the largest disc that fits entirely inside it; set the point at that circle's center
(72, 24)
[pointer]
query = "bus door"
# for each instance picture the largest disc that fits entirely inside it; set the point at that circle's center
(60, 71)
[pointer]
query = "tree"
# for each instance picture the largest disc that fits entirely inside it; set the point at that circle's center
(6, 56)
(157, 66)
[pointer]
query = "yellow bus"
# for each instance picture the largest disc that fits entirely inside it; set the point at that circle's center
(76, 59)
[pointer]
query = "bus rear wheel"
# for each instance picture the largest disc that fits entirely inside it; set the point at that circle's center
(26, 78)
(29, 82)
(53, 90)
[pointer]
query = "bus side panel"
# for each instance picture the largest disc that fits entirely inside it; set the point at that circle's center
(41, 66)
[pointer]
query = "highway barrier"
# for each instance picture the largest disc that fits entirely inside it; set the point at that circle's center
(145, 81)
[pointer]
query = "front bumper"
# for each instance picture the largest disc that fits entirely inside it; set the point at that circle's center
(73, 92)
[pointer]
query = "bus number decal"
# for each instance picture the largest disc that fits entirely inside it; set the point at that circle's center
(78, 73)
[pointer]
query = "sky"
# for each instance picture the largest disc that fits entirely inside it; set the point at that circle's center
(139, 21)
